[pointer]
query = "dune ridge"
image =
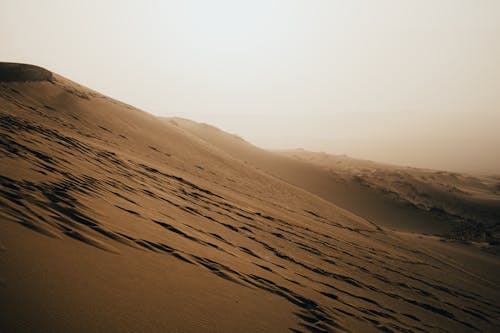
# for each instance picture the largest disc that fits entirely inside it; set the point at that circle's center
(14, 72)
(109, 213)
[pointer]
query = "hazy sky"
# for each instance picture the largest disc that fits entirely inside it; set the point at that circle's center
(410, 82)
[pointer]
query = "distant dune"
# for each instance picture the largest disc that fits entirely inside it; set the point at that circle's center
(468, 205)
(113, 220)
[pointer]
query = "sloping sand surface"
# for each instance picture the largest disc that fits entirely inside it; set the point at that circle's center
(470, 203)
(401, 198)
(342, 191)
(112, 220)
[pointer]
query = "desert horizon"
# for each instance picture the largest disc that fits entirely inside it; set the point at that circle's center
(232, 166)
(412, 83)
(443, 149)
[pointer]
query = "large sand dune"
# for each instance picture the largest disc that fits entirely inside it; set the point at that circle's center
(113, 220)
(401, 198)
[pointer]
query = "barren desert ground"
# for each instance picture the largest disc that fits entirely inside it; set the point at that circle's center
(115, 220)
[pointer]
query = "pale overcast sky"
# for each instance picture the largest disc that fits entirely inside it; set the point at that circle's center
(408, 82)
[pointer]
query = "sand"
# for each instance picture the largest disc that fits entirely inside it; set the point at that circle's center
(395, 197)
(113, 220)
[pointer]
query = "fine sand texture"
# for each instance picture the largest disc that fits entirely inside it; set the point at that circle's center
(402, 198)
(113, 220)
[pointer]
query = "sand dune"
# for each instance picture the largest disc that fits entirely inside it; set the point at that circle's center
(350, 195)
(112, 220)
(469, 204)
(12, 72)
(401, 198)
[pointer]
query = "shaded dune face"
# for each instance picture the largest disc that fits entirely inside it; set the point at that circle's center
(80, 169)
(12, 72)
(454, 200)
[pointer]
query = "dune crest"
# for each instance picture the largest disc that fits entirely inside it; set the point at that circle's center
(14, 72)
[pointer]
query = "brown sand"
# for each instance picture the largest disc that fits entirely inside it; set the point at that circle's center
(112, 220)
(401, 198)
